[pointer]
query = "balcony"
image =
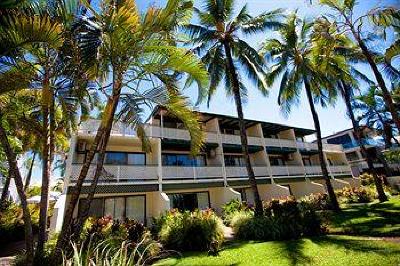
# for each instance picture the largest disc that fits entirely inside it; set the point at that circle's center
(287, 170)
(119, 173)
(339, 169)
(235, 139)
(241, 171)
(192, 173)
(281, 143)
(313, 170)
(332, 147)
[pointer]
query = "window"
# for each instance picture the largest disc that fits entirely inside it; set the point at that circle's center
(115, 158)
(234, 160)
(136, 158)
(189, 201)
(352, 156)
(115, 207)
(131, 207)
(230, 131)
(135, 208)
(171, 159)
(277, 161)
(96, 207)
(124, 158)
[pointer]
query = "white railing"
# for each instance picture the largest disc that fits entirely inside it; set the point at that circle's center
(287, 170)
(332, 147)
(313, 170)
(280, 143)
(235, 139)
(307, 146)
(189, 172)
(119, 173)
(241, 171)
(340, 169)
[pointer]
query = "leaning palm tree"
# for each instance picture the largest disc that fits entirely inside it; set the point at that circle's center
(132, 49)
(336, 55)
(291, 58)
(355, 26)
(218, 40)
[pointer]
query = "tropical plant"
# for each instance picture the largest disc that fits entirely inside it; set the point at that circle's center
(217, 39)
(291, 58)
(132, 50)
(335, 54)
(190, 231)
(372, 112)
(355, 26)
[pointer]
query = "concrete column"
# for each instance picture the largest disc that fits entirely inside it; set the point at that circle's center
(159, 164)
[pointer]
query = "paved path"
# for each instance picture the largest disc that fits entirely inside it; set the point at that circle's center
(228, 233)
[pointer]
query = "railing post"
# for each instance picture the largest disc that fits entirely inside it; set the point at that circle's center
(118, 173)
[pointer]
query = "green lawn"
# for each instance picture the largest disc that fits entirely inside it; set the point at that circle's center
(327, 250)
(375, 219)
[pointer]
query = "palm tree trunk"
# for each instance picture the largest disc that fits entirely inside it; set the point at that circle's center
(243, 134)
(105, 125)
(378, 183)
(29, 174)
(46, 167)
(92, 190)
(4, 193)
(379, 78)
(331, 192)
(12, 162)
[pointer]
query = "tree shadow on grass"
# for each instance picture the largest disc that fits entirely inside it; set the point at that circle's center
(367, 220)
(357, 245)
(294, 252)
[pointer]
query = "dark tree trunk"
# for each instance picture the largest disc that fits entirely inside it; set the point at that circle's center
(12, 163)
(29, 174)
(358, 133)
(4, 193)
(325, 174)
(243, 134)
(379, 78)
(63, 242)
(46, 166)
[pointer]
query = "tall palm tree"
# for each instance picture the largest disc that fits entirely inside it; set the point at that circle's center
(218, 39)
(335, 54)
(291, 59)
(129, 48)
(355, 26)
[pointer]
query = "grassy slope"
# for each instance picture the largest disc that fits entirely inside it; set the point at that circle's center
(328, 250)
(376, 219)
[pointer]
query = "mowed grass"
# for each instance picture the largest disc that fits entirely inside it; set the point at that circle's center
(328, 250)
(374, 219)
(359, 220)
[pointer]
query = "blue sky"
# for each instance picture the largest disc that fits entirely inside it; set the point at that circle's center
(333, 119)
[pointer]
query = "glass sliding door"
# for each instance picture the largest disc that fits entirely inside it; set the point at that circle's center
(189, 201)
(135, 208)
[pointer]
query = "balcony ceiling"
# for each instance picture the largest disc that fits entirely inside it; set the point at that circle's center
(236, 148)
(279, 150)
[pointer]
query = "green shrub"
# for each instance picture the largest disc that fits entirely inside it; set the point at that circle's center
(317, 201)
(366, 179)
(231, 208)
(189, 231)
(285, 219)
(356, 194)
(12, 223)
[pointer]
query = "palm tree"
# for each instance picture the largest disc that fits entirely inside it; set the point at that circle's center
(130, 49)
(291, 58)
(355, 25)
(218, 40)
(335, 54)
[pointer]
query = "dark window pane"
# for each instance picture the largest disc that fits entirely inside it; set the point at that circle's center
(96, 207)
(116, 158)
(136, 158)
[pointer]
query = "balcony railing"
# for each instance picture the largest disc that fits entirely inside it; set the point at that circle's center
(280, 143)
(175, 133)
(332, 147)
(340, 169)
(190, 172)
(118, 173)
(307, 146)
(235, 139)
(287, 170)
